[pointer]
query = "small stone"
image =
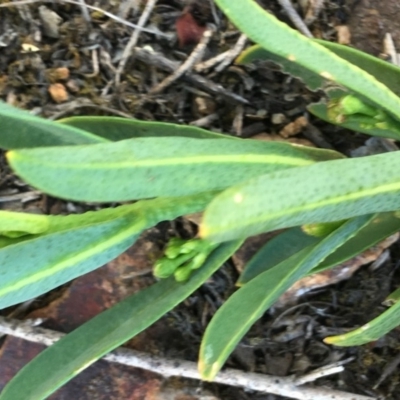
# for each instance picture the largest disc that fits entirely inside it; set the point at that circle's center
(62, 73)
(203, 106)
(58, 92)
(278, 119)
(50, 22)
(73, 86)
(343, 34)
(294, 127)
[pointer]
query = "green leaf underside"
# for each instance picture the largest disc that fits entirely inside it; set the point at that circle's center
(381, 227)
(275, 36)
(79, 349)
(276, 250)
(324, 192)
(383, 71)
(294, 240)
(356, 122)
(115, 128)
(150, 167)
(75, 245)
(257, 53)
(20, 129)
(248, 304)
(371, 331)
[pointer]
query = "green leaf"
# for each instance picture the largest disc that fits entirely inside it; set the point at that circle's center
(311, 79)
(81, 348)
(77, 244)
(275, 36)
(14, 224)
(248, 304)
(294, 240)
(371, 331)
(150, 167)
(381, 227)
(276, 250)
(19, 129)
(324, 192)
(115, 128)
(383, 71)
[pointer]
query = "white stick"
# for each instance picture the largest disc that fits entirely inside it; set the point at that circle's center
(134, 38)
(186, 369)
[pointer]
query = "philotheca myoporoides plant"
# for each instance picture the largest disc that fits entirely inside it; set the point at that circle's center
(331, 207)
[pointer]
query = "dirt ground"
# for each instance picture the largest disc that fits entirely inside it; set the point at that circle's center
(56, 64)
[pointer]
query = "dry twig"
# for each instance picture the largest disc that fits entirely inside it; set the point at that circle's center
(159, 61)
(78, 3)
(224, 58)
(195, 56)
(133, 40)
(167, 367)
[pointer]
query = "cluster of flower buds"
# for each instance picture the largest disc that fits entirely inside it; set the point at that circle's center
(181, 257)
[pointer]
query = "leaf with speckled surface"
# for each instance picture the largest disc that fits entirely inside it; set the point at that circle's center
(152, 167)
(324, 192)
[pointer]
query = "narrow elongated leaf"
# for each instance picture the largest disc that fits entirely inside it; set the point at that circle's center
(381, 227)
(14, 224)
(383, 71)
(371, 331)
(248, 304)
(294, 240)
(19, 129)
(75, 245)
(277, 37)
(324, 192)
(275, 251)
(81, 348)
(311, 79)
(114, 128)
(150, 167)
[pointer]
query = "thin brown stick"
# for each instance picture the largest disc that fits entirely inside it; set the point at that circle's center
(195, 56)
(159, 61)
(224, 58)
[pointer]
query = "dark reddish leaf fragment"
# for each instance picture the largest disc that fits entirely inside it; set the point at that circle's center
(189, 31)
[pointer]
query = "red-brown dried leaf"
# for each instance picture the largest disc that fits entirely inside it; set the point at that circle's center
(189, 31)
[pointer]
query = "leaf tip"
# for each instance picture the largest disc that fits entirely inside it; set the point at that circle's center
(329, 339)
(203, 231)
(10, 155)
(208, 372)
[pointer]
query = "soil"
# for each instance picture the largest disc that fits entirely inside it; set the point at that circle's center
(55, 64)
